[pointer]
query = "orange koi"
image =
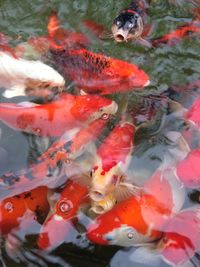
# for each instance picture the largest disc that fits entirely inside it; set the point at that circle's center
(177, 35)
(61, 37)
(96, 73)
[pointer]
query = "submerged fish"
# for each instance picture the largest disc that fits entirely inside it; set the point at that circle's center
(111, 162)
(12, 209)
(55, 227)
(129, 24)
(174, 37)
(61, 37)
(139, 219)
(54, 118)
(25, 77)
(181, 238)
(68, 149)
(188, 170)
(96, 73)
(192, 115)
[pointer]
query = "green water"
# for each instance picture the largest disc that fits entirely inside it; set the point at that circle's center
(166, 66)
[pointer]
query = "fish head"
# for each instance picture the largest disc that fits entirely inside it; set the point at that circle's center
(122, 226)
(91, 107)
(127, 26)
(104, 182)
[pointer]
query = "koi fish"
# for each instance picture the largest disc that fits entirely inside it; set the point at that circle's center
(59, 36)
(95, 72)
(188, 170)
(181, 238)
(72, 197)
(54, 118)
(179, 2)
(12, 209)
(139, 219)
(25, 77)
(51, 165)
(129, 24)
(192, 115)
(112, 159)
(177, 35)
(69, 149)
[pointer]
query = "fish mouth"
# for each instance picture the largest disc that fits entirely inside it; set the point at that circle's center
(147, 83)
(121, 36)
(98, 209)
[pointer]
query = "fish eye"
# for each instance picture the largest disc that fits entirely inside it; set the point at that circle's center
(65, 206)
(118, 22)
(105, 116)
(130, 235)
(100, 109)
(136, 16)
(130, 25)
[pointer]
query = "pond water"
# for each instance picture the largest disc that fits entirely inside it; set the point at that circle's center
(167, 66)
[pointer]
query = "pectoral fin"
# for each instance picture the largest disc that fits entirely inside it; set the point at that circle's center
(126, 190)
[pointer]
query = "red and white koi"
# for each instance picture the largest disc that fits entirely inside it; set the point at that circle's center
(181, 238)
(54, 118)
(140, 219)
(72, 197)
(112, 159)
(12, 209)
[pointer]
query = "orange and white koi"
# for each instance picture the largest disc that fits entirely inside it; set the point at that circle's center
(140, 219)
(54, 118)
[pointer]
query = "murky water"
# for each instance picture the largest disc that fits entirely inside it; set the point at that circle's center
(166, 66)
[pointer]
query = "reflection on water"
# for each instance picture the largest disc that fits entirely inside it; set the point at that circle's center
(98, 152)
